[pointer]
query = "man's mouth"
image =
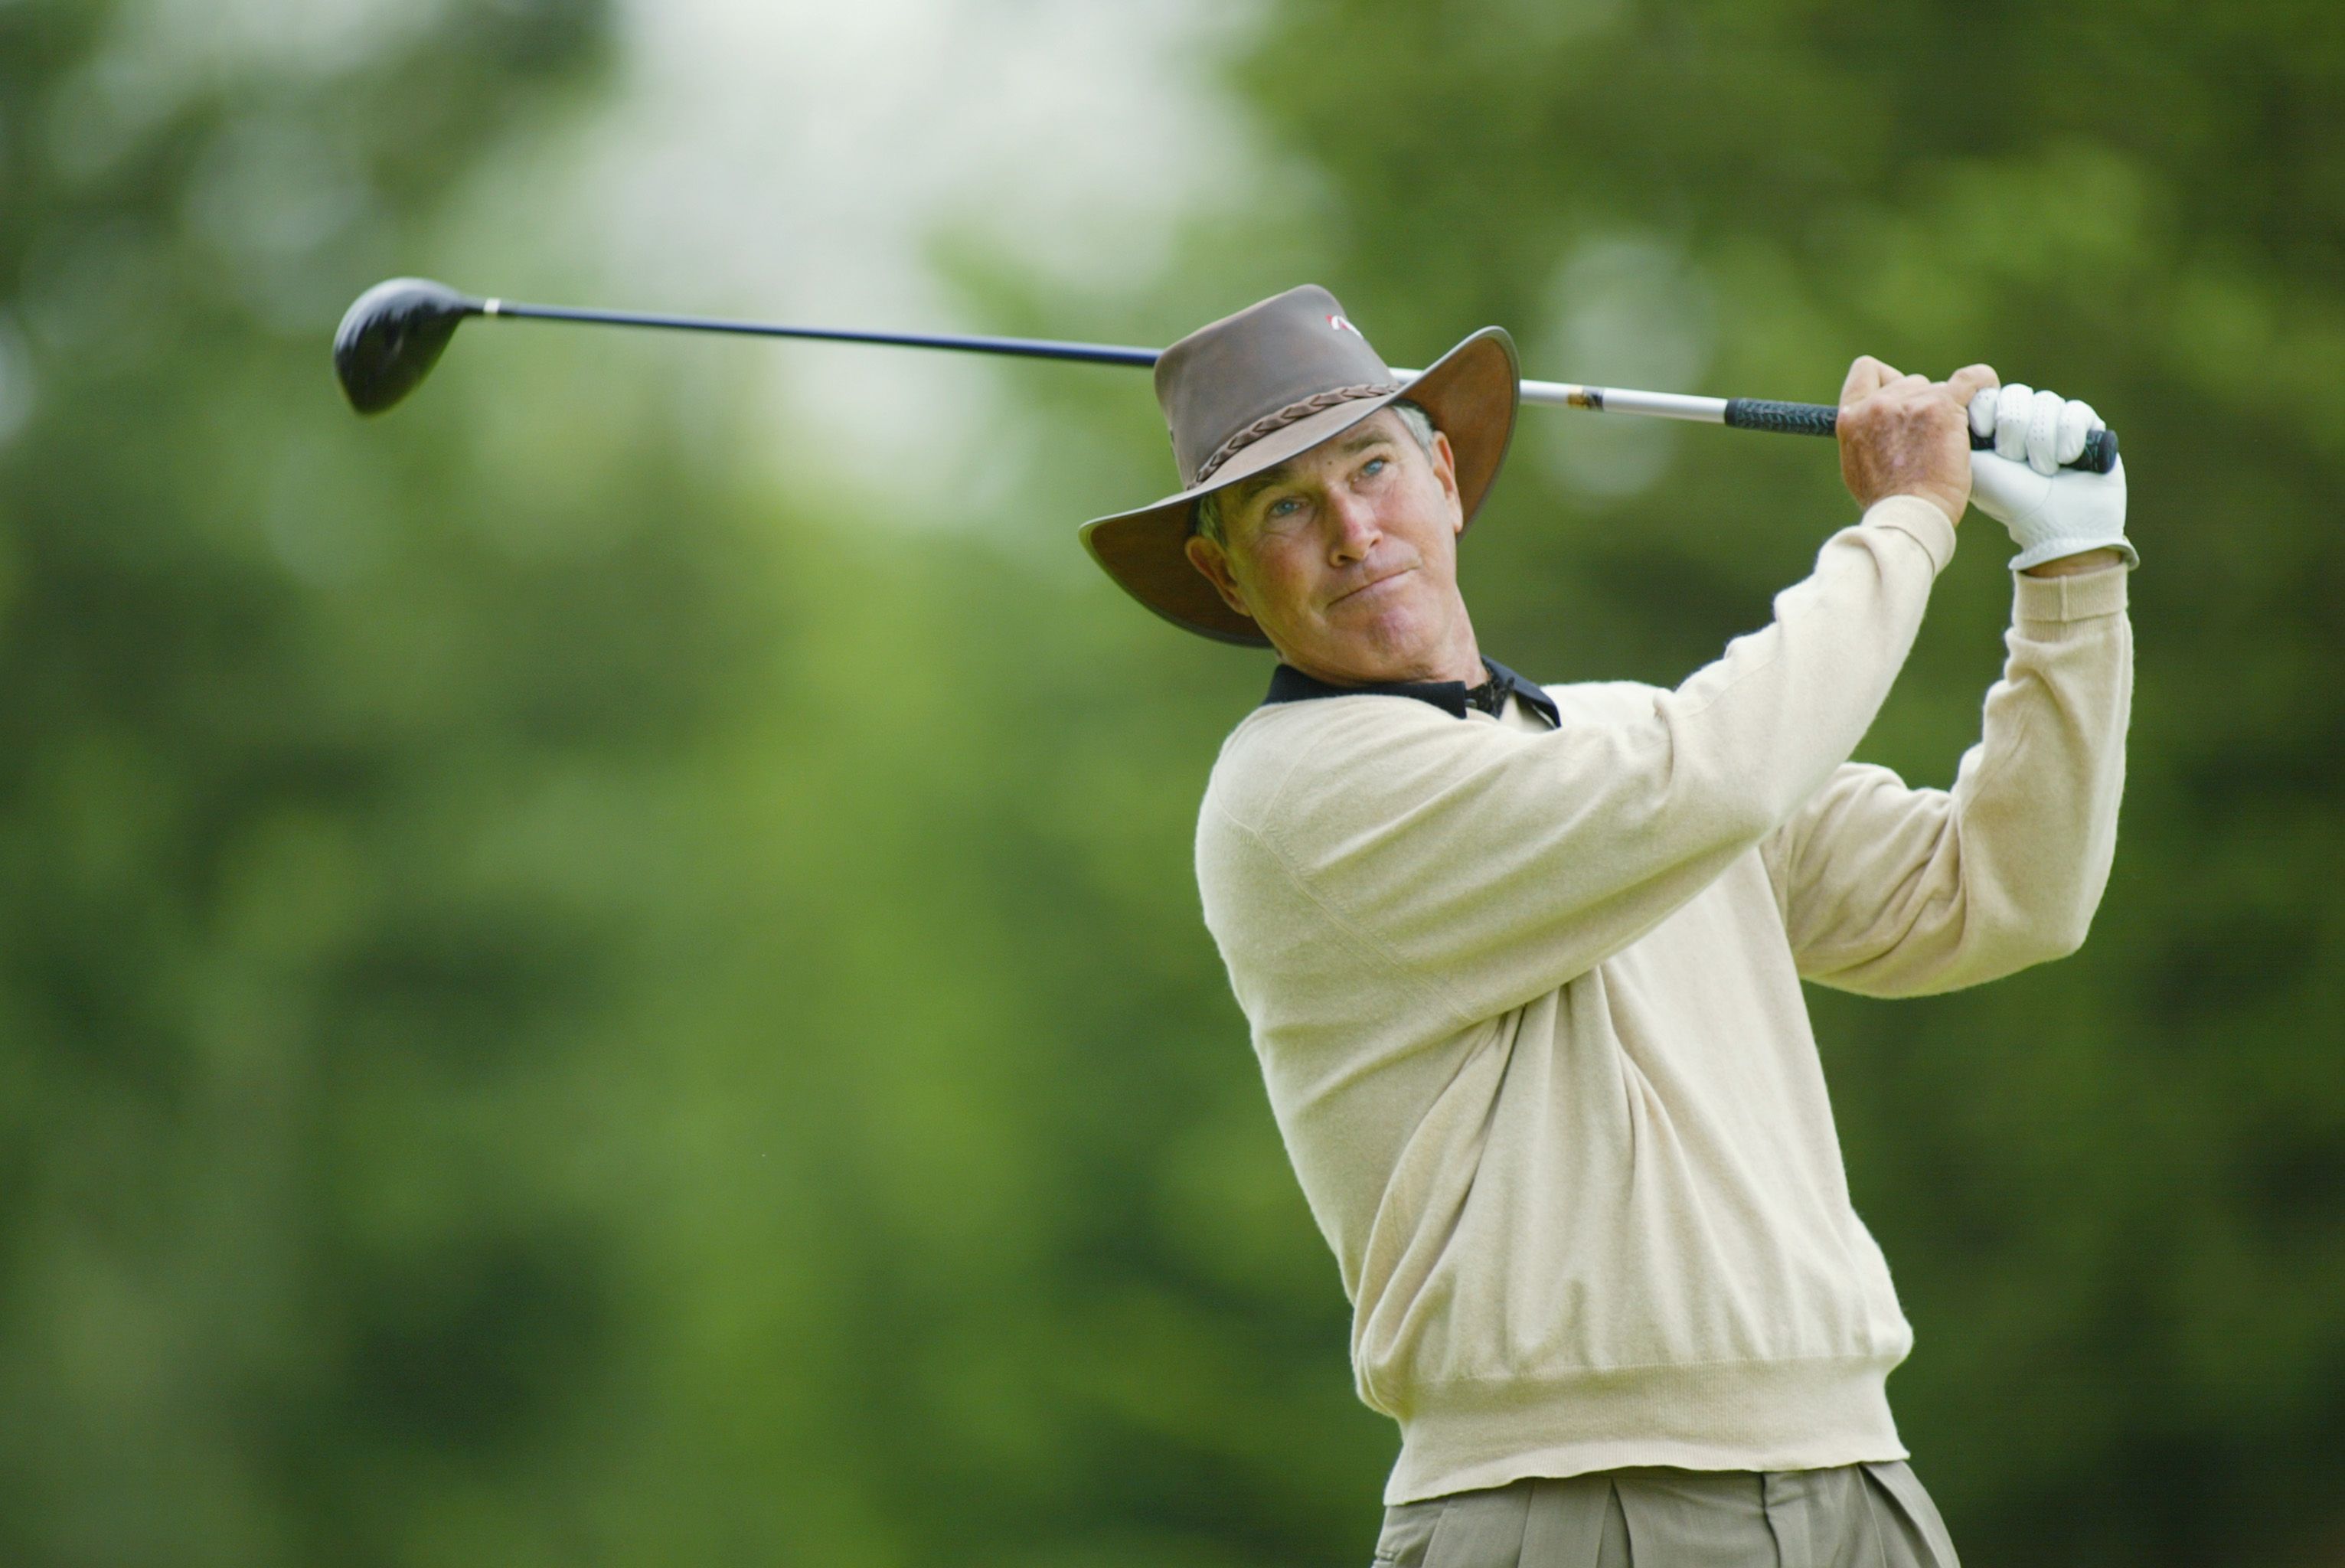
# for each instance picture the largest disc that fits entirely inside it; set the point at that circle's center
(1372, 584)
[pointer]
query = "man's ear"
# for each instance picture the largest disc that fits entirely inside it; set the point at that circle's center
(1214, 562)
(1444, 473)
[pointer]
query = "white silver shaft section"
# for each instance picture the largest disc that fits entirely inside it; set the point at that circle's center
(1618, 399)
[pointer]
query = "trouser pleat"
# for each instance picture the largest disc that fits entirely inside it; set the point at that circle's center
(1912, 1531)
(1574, 1523)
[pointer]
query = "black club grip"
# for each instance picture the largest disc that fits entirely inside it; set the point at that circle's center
(1784, 418)
(2100, 453)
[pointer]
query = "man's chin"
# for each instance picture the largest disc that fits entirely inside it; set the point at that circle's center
(1393, 612)
(1393, 643)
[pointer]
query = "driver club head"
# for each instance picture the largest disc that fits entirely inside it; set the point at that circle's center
(392, 335)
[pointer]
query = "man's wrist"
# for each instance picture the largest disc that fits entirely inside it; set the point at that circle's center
(2099, 560)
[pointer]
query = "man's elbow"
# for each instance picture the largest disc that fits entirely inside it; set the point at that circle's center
(2055, 931)
(2065, 937)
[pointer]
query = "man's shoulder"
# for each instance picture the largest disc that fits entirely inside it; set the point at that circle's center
(1278, 739)
(1284, 755)
(1311, 756)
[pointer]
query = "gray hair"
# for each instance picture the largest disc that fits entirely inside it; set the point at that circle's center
(1205, 514)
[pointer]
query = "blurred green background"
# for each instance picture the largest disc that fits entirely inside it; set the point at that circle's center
(579, 985)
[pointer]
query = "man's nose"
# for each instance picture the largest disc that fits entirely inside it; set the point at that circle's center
(1352, 527)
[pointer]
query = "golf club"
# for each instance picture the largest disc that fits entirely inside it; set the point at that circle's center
(393, 334)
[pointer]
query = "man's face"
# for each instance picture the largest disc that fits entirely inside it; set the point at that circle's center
(1346, 557)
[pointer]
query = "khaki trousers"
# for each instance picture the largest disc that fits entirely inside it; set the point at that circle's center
(1858, 1516)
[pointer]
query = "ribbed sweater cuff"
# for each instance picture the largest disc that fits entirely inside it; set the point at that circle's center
(1811, 1414)
(1919, 519)
(2078, 599)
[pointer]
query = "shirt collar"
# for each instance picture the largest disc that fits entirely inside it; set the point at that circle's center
(1288, 684)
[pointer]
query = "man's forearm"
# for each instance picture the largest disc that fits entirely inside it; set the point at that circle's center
(1894, 892)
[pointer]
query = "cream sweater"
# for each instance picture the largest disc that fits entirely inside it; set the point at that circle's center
(1528, 1001)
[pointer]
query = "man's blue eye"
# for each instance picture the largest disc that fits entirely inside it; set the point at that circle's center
(1374, 466)
(1285, 507)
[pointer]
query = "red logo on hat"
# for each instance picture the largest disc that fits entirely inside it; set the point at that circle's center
(1342, 325)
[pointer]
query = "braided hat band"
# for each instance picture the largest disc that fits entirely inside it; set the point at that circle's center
(1286, 416)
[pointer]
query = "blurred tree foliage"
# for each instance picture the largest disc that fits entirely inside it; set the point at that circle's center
(307, 731)
(555, 1005)
(559, 1005)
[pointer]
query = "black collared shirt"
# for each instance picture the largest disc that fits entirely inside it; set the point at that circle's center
(1288, 684)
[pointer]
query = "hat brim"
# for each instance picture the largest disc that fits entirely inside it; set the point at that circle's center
(1471, 391)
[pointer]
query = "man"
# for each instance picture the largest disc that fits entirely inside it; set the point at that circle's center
(1523, 967)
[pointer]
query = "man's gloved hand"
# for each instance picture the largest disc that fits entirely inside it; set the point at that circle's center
(2051, 510)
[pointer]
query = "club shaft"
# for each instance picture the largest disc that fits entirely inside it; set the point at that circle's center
(1747, 413)
(2100, 453)
(1551, 394)
(1026, 347)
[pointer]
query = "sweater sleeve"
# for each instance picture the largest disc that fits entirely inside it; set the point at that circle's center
(1496, 865)
(1891, 891)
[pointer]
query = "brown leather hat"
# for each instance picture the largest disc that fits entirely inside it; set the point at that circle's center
(1274, 381)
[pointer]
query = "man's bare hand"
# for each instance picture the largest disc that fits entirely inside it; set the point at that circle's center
(1908, 435)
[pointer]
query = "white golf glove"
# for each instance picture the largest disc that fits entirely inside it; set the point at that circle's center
(2051, 510)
